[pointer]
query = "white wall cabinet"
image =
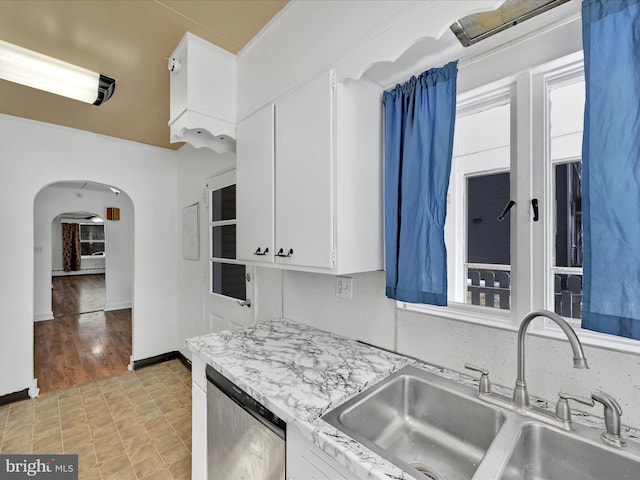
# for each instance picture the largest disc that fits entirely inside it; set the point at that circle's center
(202, 106)
(255, 187)
(307, 461)
(309, 179)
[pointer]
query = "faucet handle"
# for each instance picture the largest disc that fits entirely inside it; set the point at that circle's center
(484, 384)
(563, 410)
(612, 413)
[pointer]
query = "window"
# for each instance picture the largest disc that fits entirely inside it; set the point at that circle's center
(500, 271)
(565, 106)
(478, 192)
(92, 241)
(227, 276)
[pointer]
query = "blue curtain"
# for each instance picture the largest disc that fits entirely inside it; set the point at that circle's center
(419, 116)
(611, 167)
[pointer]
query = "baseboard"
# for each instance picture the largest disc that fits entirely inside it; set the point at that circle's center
(117, 306)
(164, 357)
(89, 271)
(14, 397)
(40, 317)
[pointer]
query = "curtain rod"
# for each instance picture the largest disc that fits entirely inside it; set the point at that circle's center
(504, 46)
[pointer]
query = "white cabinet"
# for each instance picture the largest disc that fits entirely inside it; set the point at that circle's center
(203, 86)
(307, 461)
(309, 179)
(255, 187)
(199, 419)
(304, 195)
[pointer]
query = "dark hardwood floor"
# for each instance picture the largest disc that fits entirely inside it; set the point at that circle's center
(82, 343)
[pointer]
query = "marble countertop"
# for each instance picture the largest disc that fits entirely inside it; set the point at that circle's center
(300, 373)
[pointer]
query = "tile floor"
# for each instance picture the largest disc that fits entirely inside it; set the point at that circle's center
(134, 426)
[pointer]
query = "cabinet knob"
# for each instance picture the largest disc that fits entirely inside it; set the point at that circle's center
(282, 254)
(258, 252)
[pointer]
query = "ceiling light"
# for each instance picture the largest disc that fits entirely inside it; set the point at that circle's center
(33, 69)
(114, 190)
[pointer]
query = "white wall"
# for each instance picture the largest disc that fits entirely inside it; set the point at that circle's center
(35, 155)
(53, 200)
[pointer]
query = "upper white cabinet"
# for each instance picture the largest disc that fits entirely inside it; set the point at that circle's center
(203, 95)
(304, 168)
(255, 187)
(310, 179)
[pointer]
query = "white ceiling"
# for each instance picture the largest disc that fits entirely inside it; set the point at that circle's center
(128, 40)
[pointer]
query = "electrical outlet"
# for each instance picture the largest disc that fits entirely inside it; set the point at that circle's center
(344, 287)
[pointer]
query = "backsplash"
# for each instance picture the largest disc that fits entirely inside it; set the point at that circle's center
(371, 317)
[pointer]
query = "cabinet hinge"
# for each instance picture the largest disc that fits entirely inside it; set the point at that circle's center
(333, 79)
(333, 257)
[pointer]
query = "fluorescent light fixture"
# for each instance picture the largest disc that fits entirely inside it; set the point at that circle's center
(33, 69)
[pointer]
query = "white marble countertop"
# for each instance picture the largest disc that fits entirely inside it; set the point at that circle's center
(300, 373)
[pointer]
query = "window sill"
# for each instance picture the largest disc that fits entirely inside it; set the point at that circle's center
(464, 313)
(501, 319)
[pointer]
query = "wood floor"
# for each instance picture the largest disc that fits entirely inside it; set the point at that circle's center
(76, 294)
(82, 343)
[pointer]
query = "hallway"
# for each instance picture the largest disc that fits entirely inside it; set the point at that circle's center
(82, 343)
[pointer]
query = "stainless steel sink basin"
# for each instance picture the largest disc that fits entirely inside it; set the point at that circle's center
(543, 452)
(428, 426)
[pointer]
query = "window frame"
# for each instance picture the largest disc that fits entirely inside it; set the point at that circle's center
(215, 183)
(532, 281)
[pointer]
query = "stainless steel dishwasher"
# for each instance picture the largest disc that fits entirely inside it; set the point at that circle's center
(244, 439)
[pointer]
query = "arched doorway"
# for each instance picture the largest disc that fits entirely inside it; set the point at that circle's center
(82, 315)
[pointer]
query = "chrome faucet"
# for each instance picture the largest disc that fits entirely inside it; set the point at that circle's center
(520, 393)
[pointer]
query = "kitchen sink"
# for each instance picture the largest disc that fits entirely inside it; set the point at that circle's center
(428, 426)
(543, 452)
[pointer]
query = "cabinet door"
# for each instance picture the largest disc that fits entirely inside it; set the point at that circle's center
(254, 186)
(304, 174)
(198, 432)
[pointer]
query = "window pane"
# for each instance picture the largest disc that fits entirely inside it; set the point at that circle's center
(478, 246)
(229, 280)
(566, 113)
(92, 232)
(487, 238)
(223, 204)
(93, 248)
(569, 215)
(567, 295)
(223, 241)
(566, 106)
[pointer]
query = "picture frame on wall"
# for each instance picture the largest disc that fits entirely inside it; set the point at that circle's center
(191, 232)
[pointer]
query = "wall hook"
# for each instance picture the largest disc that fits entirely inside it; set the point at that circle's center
(507, 207)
